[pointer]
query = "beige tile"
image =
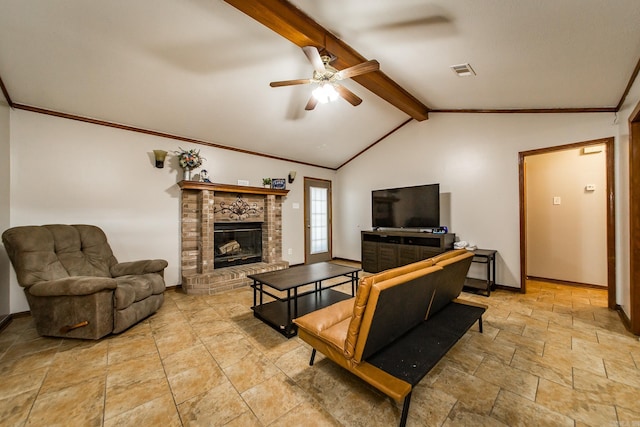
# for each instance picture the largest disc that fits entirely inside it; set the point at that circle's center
(576, 358)
(247, 419)
(552, 369)
(508, 378)
(124, 348)
(20, 349)
(78, 405)
(609, 391)
(157, 412)
(485, 344)
(229, 349)
(252, 370)
(457, 384)
(15, 409)
(28, 362)
(216, 407)
(462, 415)
(514, 410)
(174, 341)
(86, 361)
(186, 359)
(194, 381)
(145, 367)
(581, 406)
(123, 397)
(306, 414)
(520, 342)
(20, 382)
(429, 406)
(273, 398)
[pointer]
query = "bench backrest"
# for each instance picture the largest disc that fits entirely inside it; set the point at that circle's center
(395, 306)
(451, 281)
(392, 302)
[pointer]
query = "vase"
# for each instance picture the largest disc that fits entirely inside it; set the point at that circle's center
(187, 174)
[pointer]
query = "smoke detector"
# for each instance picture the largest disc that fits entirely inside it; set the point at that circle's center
(463, 70)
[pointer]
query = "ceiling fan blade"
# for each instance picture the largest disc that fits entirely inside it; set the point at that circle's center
(311, 104)
(351, 97)
(290, 82)
(314, 57)
(356, 70)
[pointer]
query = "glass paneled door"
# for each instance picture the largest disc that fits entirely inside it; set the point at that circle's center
(317, 216)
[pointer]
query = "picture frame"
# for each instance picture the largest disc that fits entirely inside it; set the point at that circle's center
(278, 183)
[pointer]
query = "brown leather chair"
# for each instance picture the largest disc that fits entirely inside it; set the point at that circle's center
(74, 285)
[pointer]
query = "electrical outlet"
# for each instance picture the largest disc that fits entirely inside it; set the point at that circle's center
(290, 251)
(556, 200)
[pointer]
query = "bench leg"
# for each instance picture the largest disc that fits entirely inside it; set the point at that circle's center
(313, 356)
(480, 324)
(405, 410)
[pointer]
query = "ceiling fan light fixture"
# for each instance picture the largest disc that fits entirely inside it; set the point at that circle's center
(325, 93)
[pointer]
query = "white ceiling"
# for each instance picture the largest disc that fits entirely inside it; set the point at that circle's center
(201, 69)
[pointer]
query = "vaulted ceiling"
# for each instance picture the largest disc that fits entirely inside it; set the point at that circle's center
(200, 69)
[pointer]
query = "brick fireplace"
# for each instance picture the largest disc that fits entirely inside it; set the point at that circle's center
(203, 205)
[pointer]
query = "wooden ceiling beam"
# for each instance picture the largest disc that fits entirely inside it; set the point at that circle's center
(300, 29)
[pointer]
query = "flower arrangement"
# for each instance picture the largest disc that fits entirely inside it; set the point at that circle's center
(189, 159)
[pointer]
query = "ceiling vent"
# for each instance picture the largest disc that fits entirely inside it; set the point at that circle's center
(463, 70)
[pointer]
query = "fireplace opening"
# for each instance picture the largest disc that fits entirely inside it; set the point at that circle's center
(237, 243)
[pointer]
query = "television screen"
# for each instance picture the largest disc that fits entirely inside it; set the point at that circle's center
(406, 207)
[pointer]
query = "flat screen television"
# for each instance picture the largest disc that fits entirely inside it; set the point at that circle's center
(406, 207)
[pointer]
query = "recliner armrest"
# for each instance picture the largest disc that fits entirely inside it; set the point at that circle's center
(138, 267)
(76, 285)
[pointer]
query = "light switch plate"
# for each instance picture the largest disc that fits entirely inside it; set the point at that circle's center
(590, 187)
(556, 200)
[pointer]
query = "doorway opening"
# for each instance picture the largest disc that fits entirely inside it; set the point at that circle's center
(610, 211)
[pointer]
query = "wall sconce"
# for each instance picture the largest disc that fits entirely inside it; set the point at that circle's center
(160, 155)
(292, 176)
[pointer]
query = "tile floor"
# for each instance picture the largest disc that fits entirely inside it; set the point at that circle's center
(555, 356)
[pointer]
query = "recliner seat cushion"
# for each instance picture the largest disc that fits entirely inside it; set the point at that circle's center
(131, 289)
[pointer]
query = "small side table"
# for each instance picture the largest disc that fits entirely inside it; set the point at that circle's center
(488, 257)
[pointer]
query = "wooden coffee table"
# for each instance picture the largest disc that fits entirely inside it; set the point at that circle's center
(280, 310)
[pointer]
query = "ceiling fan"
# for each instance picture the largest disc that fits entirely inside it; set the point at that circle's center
(327, 78)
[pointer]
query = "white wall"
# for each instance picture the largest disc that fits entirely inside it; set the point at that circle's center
(568, 240)
(5, 167)
(65, 171)
(474, 157)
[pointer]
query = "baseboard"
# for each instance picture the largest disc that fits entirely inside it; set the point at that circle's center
(4, 321)
(506, 288)
(623, 317)
(565, 282)
(346, 260)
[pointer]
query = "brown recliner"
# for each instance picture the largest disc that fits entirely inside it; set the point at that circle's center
(74, 285)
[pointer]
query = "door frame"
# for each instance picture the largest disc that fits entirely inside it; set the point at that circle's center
(307, 180)
(611, 210)
(634, 220)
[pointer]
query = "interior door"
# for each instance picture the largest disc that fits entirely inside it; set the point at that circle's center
(317, 216)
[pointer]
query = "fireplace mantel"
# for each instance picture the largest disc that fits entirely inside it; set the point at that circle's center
(228, 188)
(201, 204)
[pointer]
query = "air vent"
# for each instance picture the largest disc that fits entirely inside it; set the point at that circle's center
(463, 70)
